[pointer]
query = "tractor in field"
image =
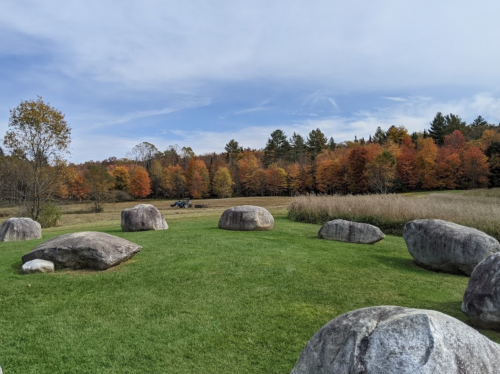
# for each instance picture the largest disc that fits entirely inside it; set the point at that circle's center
(186, 203)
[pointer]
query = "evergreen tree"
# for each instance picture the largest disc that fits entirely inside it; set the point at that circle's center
(479, 121)
(331, 144)
(316, 142)
(414, 137)
(476, 129)
(297, 147)
(445, 125)
(454, 122)
(232, 149)
(380, 136)
(438, 128)
(277, 147)
(493, 154)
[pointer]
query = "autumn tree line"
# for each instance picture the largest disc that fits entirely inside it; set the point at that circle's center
(451, 154)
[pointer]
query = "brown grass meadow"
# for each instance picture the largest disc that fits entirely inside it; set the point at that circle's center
(76, 216)
(475, 208)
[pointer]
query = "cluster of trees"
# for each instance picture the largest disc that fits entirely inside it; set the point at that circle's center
(452, 154)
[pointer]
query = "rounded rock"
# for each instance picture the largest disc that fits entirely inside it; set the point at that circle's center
(38, 266)
(481, 301)
(445, 246)
(350, 232)
(17, 229)
(84, 250)
(142, 217)
(389, 339)
(246, 218)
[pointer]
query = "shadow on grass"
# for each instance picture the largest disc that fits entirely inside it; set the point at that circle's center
(17, 267)
(401, 264)
(453, 308)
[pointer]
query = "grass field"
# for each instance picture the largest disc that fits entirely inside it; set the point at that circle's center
(201, 300)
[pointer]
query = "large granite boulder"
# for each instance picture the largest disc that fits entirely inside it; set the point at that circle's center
(246, 218)
(38, 266)
(481, 301)
(143, 217)
(16, 229)
(448, 247)
(389, 340)
(84, 250)
(350, 232)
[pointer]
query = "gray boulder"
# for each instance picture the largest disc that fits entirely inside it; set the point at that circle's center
(84, 250)
(388, 339)
(445, 246)
(143, 217)
(350, 232)
(38, 266)
(246, 218)
(481, 301)
(17, 229)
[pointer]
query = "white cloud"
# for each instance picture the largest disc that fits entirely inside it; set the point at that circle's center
(393, 98)
(156, 112)
(132, 51)
(415, 114)
(333, 102)
(151, 43)
(262, 106)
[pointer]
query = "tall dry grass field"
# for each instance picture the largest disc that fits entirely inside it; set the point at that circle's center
(477, 208)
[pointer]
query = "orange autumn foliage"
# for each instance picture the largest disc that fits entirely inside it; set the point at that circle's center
(475, 168)
(426, 161)
(197, 178)
(140, 186)
(275, 179)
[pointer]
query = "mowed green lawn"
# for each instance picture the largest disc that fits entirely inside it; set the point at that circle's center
(197, 299)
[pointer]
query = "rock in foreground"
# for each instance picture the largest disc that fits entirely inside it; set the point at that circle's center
(448, 247)
(84, 250)
(38, 266)
(389, 340)
(17, 229)
(246, 218)
(143, 217)
(482, 297)
(350, 232)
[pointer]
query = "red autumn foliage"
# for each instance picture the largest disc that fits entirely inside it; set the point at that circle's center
(406, 166)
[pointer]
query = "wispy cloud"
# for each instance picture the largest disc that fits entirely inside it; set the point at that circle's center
(393, 98)
(262, 106)
(128, 117)
(415, 114)
(107, 67)
(157, 43)
(333, 102)
(252, 110)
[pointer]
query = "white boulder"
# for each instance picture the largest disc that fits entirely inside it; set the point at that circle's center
(38, 266)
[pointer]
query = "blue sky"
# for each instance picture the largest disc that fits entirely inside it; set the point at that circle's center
(200, 73)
